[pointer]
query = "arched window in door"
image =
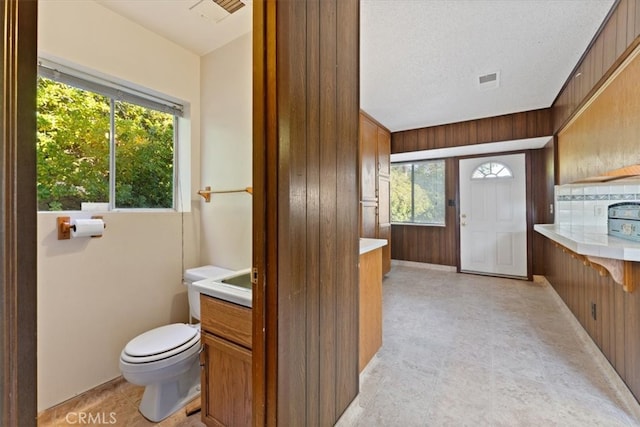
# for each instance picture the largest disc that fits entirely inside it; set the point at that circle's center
(492, 170)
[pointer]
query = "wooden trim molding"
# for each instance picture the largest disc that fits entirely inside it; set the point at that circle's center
(622, 272)
(526, 124)
(18, 213)
(264, 311)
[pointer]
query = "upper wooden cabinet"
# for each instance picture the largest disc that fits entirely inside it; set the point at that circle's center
(375, 152)
(384, 152)
(368, 160)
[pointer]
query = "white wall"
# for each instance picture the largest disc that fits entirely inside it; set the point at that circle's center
(96, 294)
(227, 143)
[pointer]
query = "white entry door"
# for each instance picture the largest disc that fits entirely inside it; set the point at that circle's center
(493, 215)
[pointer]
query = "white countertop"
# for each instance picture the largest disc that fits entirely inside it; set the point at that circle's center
(367, 244)
(590, 241)
(215, 287)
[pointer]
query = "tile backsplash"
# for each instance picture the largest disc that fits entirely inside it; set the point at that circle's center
(587, 204)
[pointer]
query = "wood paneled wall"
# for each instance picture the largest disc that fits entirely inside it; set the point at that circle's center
(616, 38)
(616, 328)
(439, 245)
(431, 244)
(541, 196)
(604, 136)
(528, 124)
(307, 145)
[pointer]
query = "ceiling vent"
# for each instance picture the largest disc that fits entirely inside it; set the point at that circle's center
(230, 5)
(489, 81)
(216, 10)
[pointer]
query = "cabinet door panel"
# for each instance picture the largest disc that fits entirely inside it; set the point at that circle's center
(368, 219)
(226, 383)
(384, 152)
(370, 313)
(384, 201)
(368, 159)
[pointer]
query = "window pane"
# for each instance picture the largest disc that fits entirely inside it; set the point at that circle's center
(401, 210)
(428, 192)
(144, 157)
(492, 170)
(72, 146)
(417, 192)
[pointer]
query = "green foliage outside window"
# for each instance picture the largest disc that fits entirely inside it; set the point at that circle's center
(144, 157)
(417, 192)
(73, 150)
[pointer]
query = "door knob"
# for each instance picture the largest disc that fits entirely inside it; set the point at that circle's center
(463, 224)
(463, 216)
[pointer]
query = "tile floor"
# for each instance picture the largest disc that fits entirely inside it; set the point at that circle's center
(467, 350)
(459, 350)
(112, 404)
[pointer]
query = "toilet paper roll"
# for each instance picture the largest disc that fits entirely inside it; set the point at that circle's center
(87, 228)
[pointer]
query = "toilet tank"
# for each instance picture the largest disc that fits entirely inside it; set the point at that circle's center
(200, 273)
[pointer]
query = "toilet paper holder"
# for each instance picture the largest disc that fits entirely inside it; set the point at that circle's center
(65, 227)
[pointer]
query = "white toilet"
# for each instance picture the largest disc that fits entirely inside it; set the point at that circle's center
(166, 359)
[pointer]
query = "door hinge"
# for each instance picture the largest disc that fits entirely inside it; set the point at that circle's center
(254, 276)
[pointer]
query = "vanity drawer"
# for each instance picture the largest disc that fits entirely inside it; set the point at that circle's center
(226, 320)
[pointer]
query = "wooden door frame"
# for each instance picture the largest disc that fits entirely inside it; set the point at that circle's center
(265, 215)
(19, 214)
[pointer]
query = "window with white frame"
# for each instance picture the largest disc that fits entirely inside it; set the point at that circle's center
(418, 192)
(98, 142)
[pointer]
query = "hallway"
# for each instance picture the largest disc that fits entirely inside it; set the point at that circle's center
(467, 350)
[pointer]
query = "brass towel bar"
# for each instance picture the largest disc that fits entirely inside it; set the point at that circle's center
(207, 192)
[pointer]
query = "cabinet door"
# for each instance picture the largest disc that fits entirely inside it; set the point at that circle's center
(370, 312)
(384, 222)
(384, 225)
(226, 383)
(384, 152)
(368, 219)
(368, 159)
(384, 202)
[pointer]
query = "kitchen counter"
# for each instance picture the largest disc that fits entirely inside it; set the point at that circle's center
(367, 244)
(591, 241)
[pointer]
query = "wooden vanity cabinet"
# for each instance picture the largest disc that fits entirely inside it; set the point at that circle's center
(226, 362)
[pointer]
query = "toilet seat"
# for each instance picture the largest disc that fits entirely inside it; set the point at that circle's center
(161, 343)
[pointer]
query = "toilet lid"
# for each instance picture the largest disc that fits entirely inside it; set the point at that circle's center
(161, 340)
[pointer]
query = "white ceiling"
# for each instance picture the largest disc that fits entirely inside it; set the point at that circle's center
(420, 59)
(174, 20)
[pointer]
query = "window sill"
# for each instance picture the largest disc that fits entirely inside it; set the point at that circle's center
(415, 224)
